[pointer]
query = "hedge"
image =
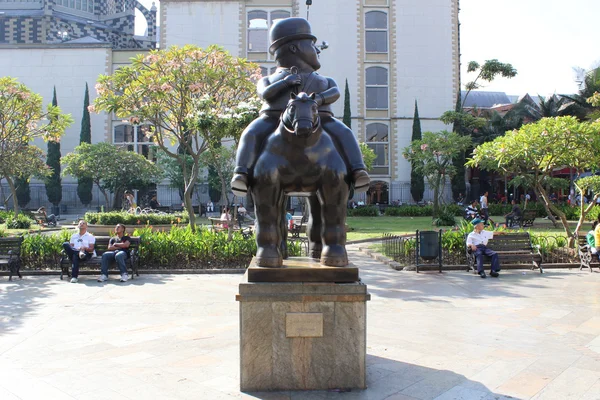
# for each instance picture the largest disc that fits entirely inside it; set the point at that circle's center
(122, 217)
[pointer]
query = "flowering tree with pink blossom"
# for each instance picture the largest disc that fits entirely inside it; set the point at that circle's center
(534, 151)
(432, 157)
(23, 119)
(183, 93)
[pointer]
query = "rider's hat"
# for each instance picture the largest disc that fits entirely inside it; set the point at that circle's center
(288, 29)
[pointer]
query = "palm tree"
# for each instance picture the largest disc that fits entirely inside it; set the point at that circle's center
(577, 105)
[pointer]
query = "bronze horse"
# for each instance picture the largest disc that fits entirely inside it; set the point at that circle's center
(300, 159)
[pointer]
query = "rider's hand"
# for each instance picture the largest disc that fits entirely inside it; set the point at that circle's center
(293, 80)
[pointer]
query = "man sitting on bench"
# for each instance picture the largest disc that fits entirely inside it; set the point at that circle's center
(477, 242)
(80, 248)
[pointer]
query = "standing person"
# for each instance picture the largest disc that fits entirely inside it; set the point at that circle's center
(483, 200)
(242, 212)
(477, 242)
(80, 249)
(118, 249)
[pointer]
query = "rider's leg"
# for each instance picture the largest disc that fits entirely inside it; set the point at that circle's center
(251, 143)
(348, 145)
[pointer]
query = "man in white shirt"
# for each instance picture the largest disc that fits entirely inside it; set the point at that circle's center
(477, 241)
(483, 200)
(80, 249)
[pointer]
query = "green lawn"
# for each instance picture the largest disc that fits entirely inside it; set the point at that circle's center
(372, 227)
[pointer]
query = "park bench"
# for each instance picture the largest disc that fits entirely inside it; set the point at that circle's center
(586, 258)
(101, 246)
(527, 218)
(514, 249)
(296, 226)
(10, 255)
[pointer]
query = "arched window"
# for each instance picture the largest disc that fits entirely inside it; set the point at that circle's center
(376, 27)
(134, 138)
(259, 22)
(377, 88)
(377, 138)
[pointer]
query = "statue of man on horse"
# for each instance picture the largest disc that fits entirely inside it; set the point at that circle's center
(297, 147)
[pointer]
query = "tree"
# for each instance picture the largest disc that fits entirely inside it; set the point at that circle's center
(432, 157)
(182, 92)
(487, 72)
(21, 116)
(368, 155)
(84, 185)
(417, 181)
(53, 181)
(347, 119)
(536, 149)
(23, 190)
(112, 169)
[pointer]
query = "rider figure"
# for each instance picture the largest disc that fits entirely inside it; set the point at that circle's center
(297, 58)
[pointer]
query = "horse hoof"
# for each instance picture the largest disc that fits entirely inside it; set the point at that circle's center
(334, 256)
(268, 257)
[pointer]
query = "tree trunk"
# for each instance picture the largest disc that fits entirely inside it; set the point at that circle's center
(13, 192)
(552, 209)
(584, 210)
(187, 196)
(436, 190)
(105, 198)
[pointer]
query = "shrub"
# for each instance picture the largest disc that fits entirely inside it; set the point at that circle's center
(43, 251)
(18, 222)
(4, 215)
(445, 217)
(367, 211)
(116, 217)
(409, 211)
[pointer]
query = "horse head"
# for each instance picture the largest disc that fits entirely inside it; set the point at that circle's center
(301, 115)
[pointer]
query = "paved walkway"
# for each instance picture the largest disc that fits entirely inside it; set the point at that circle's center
(430, 336)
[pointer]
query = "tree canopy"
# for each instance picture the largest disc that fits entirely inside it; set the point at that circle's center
(23, 119)
(186, 94)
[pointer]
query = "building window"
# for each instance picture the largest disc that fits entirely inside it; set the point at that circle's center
(134, 138)
(377, 88)
(83, 5)
(376, 32)
(259, 22)
(378, 141)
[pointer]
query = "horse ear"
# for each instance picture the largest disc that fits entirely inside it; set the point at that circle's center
(293, 96)
(313, 95)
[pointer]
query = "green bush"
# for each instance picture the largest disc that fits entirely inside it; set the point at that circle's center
(4, 215)
(367, 211)
(409, 211)
(445, 217)
(116, 217)
(43, 251)
(18, 222)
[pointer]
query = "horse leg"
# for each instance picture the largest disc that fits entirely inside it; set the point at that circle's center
(314, 227)
(283, 228)
(333, 196)
(267, 199)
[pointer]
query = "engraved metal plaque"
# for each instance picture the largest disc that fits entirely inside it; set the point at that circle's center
(303, 325)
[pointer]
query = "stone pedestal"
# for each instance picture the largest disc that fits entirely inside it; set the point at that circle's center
(302, 335)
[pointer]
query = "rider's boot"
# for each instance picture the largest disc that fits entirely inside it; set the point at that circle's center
(361, 180)
(239, 184)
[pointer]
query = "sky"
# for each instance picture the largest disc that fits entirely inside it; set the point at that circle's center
(542, 39)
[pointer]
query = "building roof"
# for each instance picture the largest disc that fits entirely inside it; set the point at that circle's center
(84, 40)
(482, 99)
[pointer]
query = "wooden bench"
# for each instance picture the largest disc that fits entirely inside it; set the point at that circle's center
(101, 246)
(296, 227)
(10, 255)
(527, 218)
(513, 249)
(586, 258)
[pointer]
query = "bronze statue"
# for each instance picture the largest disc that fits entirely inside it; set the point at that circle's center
(322, 159)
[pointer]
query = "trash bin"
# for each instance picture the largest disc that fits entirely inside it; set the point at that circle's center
(428, 245)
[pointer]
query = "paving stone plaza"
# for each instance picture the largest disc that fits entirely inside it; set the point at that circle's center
(430, 336)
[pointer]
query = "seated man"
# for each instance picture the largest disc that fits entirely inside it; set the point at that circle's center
(50, 219)
(471, 211)
(516, 213)
(118, 249)
(80, 248)
(477, 243)
(154, 204)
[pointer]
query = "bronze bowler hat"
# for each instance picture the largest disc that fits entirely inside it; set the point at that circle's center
(288, 29)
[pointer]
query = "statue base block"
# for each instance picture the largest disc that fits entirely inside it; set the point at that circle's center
(302, 269)
(302, 335)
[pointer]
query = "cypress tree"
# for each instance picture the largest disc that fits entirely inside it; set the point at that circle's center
(23, 191)
(417, 181)
(347, 119)
(84, 186)
(53, 181)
